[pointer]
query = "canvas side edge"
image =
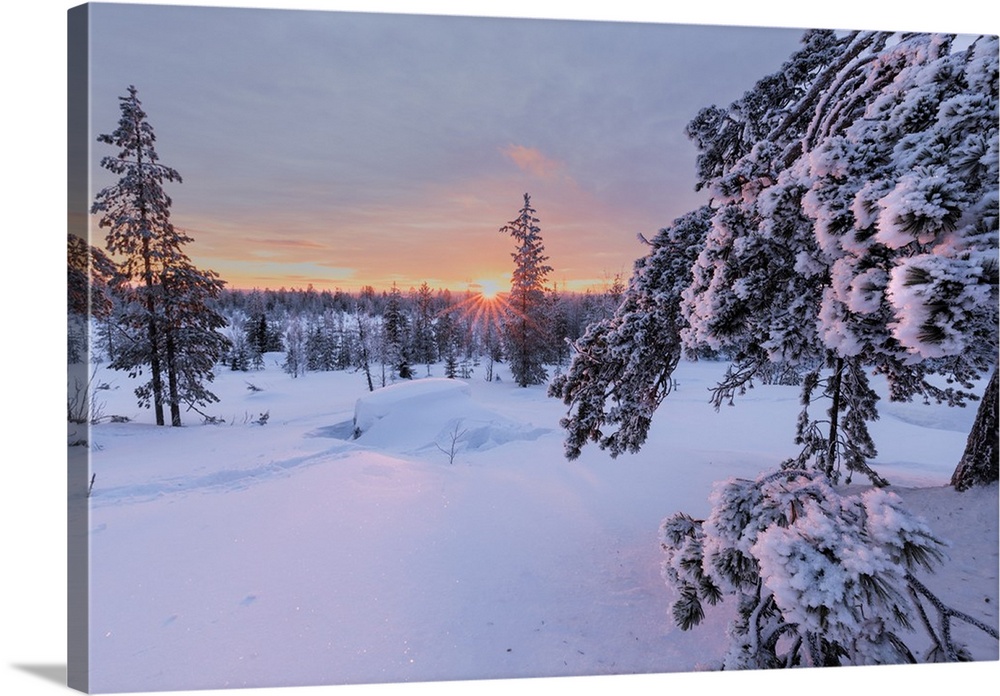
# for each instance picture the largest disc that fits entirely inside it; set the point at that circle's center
(78, 455)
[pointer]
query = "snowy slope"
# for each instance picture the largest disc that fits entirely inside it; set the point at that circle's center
(291, 553)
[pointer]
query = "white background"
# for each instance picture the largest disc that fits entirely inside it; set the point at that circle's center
(32, 391)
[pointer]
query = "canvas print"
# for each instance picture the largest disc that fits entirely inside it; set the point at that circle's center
(414, 348)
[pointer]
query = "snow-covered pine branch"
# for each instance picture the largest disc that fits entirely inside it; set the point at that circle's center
(834, 576)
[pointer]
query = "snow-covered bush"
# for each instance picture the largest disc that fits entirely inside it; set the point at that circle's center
(819, 578)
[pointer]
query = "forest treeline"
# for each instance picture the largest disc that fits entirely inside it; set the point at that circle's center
(390, 333)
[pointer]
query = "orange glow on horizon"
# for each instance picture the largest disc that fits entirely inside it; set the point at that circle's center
(485, 290)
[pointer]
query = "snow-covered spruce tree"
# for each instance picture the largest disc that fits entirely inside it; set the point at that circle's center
(346, 342)
(366, 345)
(262, 336)
(559, 328)
(622, 367)
(240, 356)
(168, 317)
(137, 210)
(492, 345)
(526, 334)
(193, 342)
(897, 169)
(321, 343)
(451, 360)
(295, 348)
(819, 578)
(89, 278)
(396, 328)
(424, 347)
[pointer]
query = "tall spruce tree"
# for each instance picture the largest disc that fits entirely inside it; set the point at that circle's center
(526, 333)
(169, 317)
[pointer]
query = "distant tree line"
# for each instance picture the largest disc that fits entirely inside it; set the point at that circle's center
(392, 335)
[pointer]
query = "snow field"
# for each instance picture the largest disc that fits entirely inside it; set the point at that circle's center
(290, 553)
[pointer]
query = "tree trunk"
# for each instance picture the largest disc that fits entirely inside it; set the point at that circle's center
(979, 463)
(365, 363)
(154, 344)
(831, 452)
(175, 406)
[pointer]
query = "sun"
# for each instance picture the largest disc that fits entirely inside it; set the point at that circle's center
(489, 289)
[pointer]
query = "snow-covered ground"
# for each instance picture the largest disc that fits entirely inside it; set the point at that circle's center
(451, 540)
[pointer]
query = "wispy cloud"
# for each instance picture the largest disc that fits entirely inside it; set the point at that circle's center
(531, 160)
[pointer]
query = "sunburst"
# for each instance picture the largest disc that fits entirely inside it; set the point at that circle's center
(485, 305)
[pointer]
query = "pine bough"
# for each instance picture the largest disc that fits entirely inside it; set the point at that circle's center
(820, 578)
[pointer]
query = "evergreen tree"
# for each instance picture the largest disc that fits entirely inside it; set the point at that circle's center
(366, 346)
(758, 282)
(193, 340)
(492, 347)
(526, 327)
(445, 331)
(314, 348)
(797, 264)
(346, 343)
(424, 347)
(262, 336)
(904, 199)
(89, 279)
(295, 349)
(622, 368)
(853, 231)
(980, 461)
(169, 313)
(240, 354)
(395, 328)
(451, 360)
(559, 328)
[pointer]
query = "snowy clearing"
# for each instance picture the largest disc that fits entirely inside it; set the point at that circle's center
(451, 540)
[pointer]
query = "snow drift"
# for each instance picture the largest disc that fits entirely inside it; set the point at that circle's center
(433, 413)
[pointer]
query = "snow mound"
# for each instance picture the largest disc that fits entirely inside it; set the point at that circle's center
(433, 414)
(407, 396)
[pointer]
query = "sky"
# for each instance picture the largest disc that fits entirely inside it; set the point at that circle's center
(337, 148)
(342, 149)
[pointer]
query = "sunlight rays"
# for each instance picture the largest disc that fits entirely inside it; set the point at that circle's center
(485, 308)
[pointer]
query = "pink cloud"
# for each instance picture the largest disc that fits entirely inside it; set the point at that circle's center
(530, 160)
